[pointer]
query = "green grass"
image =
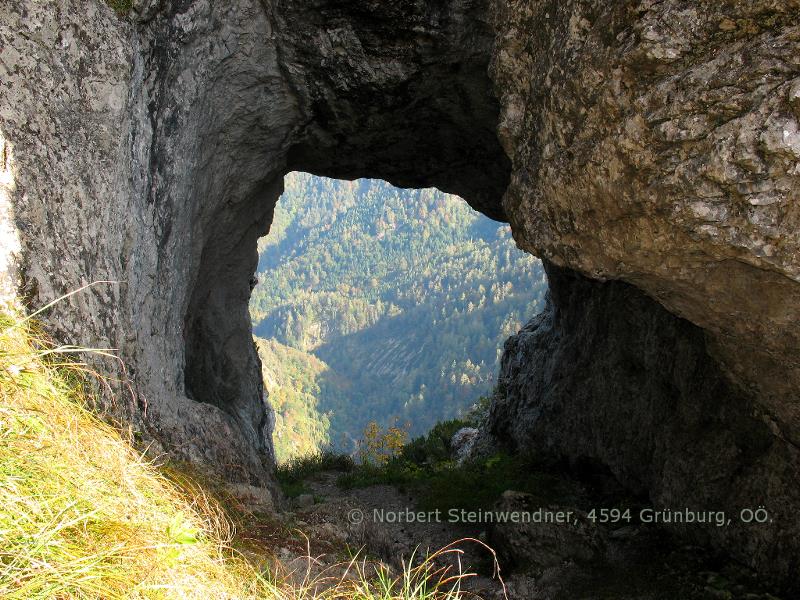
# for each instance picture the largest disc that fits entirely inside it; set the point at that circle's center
(84, 515)
(291, 474)
(479, 485)
(425, 466)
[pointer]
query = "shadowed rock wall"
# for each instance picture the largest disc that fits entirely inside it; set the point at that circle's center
(605, 375)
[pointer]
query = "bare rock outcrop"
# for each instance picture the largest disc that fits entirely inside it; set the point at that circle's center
(606, 377)
(541, 543)
(659, 143)
(150, 152)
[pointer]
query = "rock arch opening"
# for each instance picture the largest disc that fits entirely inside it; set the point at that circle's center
(376, 304)
(402, 92)
(358, 90)
(651, 144)
(221, 363)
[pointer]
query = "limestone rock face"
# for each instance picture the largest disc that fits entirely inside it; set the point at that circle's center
(108, 185)
(653, 142)
(150, 152)
(658, 142)
(64, 126)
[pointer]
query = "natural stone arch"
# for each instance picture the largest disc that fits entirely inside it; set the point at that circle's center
(367, 89)
(151, 152)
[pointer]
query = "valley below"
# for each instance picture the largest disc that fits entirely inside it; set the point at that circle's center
(361, 316)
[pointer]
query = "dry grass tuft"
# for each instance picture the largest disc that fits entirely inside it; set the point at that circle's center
(83, 515)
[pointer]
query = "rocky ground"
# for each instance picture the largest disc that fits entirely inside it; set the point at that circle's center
(538, 562)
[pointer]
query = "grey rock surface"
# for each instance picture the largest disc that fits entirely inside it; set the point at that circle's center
(150, 152)
(544, 543)
(254, 499)
(607, 378)
(304, 500)
(463, 441)
(657, 142)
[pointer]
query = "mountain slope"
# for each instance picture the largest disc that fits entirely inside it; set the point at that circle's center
(295, 381)
(406, 295)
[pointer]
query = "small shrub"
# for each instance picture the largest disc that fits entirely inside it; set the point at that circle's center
(426, 466)
(121, 7)
(396, 471)
(479, 485)
(378, 446)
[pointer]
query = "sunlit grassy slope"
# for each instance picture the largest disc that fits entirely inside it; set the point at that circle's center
(83, 515)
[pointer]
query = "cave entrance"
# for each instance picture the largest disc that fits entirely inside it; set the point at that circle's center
(416, 108)
(375, 304)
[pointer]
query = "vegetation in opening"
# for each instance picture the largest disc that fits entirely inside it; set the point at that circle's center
(425, 470)
(376, 449)
(399, 300)
(292, 474)
(378, 446)
(426, 466)
(295, 380)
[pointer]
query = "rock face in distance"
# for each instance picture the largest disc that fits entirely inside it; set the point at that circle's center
(462, 443)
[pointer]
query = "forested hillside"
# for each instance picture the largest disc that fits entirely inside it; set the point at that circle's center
(403, 297)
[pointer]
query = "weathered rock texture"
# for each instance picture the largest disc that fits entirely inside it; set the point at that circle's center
(606, 376)
(151, 153)
(653, 142)
(537, 546)
(658, 142)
